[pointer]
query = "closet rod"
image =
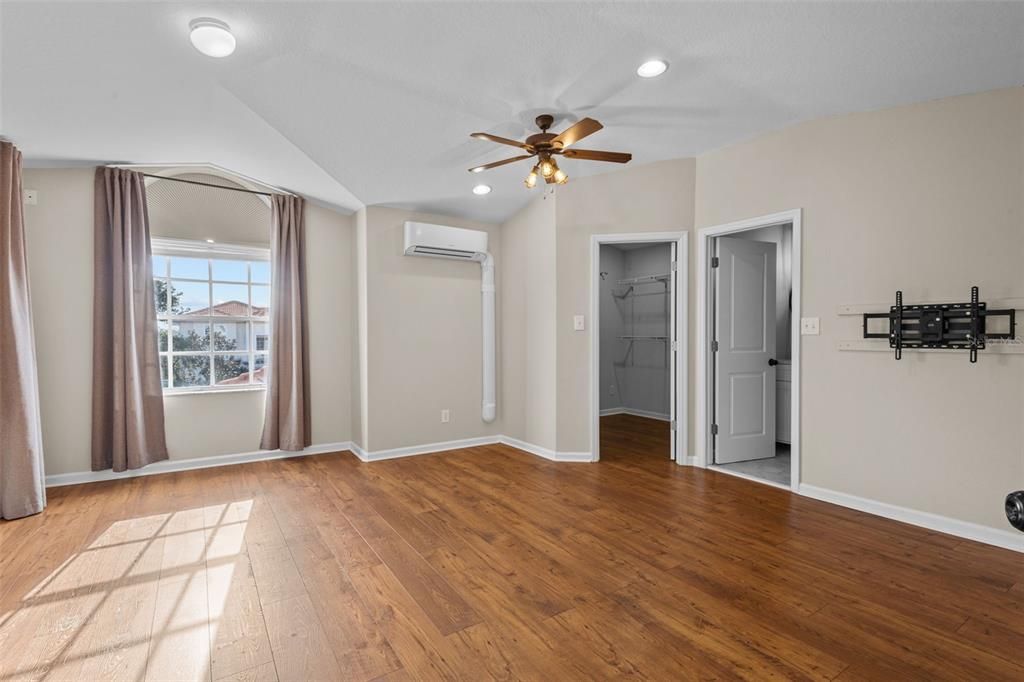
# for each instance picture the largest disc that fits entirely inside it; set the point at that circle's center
(208, 184)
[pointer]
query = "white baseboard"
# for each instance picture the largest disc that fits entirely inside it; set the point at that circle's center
(413, 450)
(545, 452)
(170, 465)
(427, 449)
(359, 452)
(963, 529)
(636, 413)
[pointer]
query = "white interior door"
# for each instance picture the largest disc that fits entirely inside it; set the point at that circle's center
(744, 362)
(672, 343)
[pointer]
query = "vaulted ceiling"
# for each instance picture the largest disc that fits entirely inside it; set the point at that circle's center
(372, 103)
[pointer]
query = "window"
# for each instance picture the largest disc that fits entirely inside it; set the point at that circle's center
(212, 307)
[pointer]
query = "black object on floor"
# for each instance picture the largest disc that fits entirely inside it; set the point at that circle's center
(1015, 509)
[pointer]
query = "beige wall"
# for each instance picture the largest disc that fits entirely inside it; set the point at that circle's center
(198, 425)
(59, 230)
(528, 323)
(656, 197)
(330, 263)
(423, 337)
(929, 199)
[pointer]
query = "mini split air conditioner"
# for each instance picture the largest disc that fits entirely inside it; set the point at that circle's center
(439, 241)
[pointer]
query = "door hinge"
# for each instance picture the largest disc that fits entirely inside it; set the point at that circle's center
(675, 266)
(714, 346)
(714, 261)
(673, 424)
(714, 429)
(675, 345)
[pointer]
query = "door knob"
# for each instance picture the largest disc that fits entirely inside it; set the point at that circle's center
(772, 362)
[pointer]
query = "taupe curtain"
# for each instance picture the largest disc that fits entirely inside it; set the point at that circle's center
(127, 399)
(22, 481)
(286, 424)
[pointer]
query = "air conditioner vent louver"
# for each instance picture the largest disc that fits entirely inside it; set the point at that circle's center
(446, 253)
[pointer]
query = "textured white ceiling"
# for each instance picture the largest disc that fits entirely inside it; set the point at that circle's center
(372, 103)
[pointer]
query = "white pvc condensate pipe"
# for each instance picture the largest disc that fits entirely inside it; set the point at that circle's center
(489, 406)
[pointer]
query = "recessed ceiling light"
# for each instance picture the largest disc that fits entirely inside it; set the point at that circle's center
(209, 241)
(652, 68)
(212, 37)
(480, 190)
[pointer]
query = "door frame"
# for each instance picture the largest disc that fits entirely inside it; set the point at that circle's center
(681, 239)
(705, 324)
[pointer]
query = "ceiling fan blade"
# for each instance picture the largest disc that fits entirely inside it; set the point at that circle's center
(590, 155)
(576, 132)
(486, 166)
(500, 140)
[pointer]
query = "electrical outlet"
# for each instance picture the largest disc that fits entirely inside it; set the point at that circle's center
(31, 197)
(446, 416)
(577, 323)
(809, 326)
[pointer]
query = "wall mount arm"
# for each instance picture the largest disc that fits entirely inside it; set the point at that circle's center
(962, 326)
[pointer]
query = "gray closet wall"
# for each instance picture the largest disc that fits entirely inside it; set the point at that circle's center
(634, 374)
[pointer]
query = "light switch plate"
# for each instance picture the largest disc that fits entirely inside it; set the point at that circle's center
(31, 197)
(810, 326)
(577, 323)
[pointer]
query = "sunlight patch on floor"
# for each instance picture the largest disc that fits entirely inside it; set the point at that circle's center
(143, 600)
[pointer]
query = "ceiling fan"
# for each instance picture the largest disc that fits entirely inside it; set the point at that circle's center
(545, 146)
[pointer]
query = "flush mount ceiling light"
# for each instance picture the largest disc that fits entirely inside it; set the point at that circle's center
(481, 190)
(652, 68)
(212, 37)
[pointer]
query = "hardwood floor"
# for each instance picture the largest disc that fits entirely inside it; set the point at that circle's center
(489, 563)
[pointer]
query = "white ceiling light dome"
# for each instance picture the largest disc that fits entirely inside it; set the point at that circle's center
(481, 190)
(212, 37)
(652, 68)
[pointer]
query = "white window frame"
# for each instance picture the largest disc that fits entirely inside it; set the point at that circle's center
(193, 249)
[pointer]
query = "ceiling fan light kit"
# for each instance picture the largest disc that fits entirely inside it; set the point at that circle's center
(531, 179)
(545, 146)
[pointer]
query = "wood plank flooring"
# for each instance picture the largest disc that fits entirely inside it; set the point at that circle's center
(489, 563)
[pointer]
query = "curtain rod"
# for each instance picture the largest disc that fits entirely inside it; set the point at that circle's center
(207, 184)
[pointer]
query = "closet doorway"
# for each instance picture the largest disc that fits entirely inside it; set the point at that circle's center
(638, 299)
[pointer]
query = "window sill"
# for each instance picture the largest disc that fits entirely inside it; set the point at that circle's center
(212, 391)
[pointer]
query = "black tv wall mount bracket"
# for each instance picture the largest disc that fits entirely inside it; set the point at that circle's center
(961, 326)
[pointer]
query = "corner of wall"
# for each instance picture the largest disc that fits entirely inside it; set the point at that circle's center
(360, 349)
(528, 322)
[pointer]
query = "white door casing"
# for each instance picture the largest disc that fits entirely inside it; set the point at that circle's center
(744, 324)
(673, 348)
